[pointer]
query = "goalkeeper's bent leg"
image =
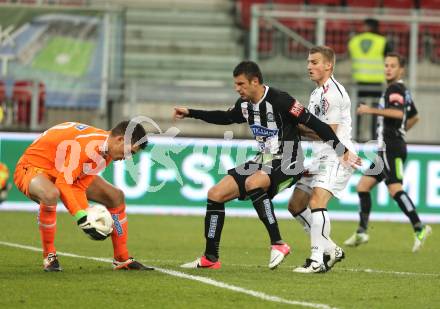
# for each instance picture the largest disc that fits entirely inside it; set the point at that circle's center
(47, 222)
(120, 233)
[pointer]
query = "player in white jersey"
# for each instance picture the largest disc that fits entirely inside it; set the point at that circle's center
(327, 177)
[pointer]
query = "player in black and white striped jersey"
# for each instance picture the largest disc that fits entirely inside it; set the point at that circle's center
(273, 117)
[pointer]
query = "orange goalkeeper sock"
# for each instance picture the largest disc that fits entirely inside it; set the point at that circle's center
(47, 221)
(120, 233)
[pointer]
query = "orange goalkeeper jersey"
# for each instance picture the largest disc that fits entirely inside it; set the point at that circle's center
(71, 153)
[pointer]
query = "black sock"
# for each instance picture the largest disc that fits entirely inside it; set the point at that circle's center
(407, 206)
(264, 207)
(364, 213)
(214, 219)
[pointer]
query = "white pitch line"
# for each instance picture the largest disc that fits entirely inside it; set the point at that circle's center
(234, 288)
(391, 272)
(179, 274)
(339, 269)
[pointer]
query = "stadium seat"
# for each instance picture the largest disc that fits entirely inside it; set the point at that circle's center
(293, 2)
(398, 35)
(363, 3)
(325, 2)
(244, 8)
(337, 35)
(72, 2)
(306, 29)
(266, 41)
(22, 99)
(398, 4)
(2, 92)
(244, 11)
(430, 4)
(430, 41)
(2, 100)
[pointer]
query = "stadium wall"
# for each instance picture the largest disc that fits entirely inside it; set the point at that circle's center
(174, 175)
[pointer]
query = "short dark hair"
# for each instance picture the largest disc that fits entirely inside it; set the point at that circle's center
(400, 58)
(373, 24)
(250, 69)
(138, 133)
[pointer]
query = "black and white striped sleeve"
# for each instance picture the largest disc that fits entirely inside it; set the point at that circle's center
(232, 115)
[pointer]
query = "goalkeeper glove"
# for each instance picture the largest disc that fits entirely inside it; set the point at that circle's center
(89, 229)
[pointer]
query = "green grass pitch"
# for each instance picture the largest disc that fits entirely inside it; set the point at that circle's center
(64, 55)
(382, 274)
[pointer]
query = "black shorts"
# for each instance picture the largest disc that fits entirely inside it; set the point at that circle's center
(282, 173)
(388, 165)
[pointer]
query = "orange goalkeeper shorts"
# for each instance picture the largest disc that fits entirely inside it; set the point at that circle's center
(24, 173)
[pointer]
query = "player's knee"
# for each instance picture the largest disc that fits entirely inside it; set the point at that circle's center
(365, 184)
(50, 196)
(316, 203)
(114, 198)
(216, 194)
(117, 197)
(120, 196)
(393, 190)
(255, 182)
(291, 207)
(362, 188)
(296, 204)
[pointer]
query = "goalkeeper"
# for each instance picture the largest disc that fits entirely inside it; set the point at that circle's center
(63, 163)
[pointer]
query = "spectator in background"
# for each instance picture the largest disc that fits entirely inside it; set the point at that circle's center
(367, 52)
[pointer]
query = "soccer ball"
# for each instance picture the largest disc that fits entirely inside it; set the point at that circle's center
(101, 219)
(4, 176)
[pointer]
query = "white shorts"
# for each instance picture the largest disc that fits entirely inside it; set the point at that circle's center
(328, 174)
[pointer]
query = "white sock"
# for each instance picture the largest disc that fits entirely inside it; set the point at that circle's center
(305, 219)
(320, 234)
(331, 245)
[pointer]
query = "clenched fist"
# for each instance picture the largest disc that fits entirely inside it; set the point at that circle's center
(180, 112)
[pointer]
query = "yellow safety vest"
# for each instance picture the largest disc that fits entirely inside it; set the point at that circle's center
(366, 52)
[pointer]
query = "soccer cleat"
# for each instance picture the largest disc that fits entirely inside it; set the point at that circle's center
(334, 256)
(310, 267)
(420, 237)
(130, 264)
(357, 239)
(277, 255)
(202, 262)
(50, 263)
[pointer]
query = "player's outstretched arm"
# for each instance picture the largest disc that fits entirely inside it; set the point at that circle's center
(233, 115)
(364, 109)
(309, 134)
